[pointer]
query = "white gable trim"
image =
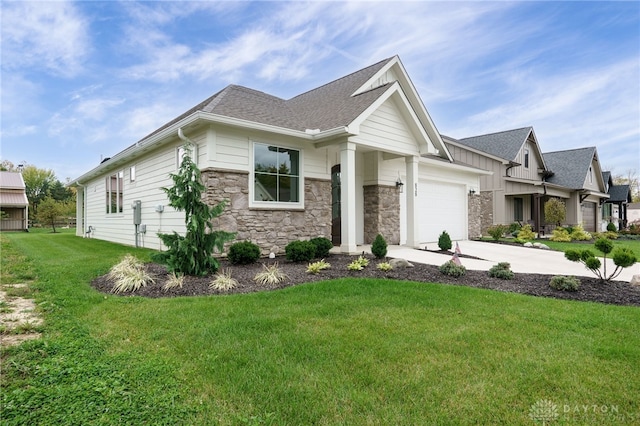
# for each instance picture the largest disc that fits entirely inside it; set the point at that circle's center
(395, 89)
(413, 100)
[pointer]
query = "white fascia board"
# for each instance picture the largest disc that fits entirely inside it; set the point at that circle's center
(455, 166)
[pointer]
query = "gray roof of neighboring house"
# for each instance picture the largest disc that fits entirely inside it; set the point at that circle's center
(11, 180)
(569, 167)
(505, 145)
(327, 107)
(619, 193)
(12, 190)
(606, 176)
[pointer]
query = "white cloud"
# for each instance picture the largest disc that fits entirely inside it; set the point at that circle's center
(52, 35)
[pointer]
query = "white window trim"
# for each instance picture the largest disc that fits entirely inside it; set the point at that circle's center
(527, 158)
(275, 205)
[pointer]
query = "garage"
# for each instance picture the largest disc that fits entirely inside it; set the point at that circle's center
(442, 207)
(589, 216)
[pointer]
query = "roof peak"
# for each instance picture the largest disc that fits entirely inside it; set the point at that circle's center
(497, 133)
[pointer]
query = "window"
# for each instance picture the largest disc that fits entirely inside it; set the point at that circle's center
(180, 153)
(590, 174)
(276, 174)
(526, 158)
(115, 194)
(518, 210)
(132, 174)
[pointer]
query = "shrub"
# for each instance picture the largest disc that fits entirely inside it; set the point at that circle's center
(526, 233)
(514, 228)
(519, 241)
(271, 275)
(322, 245)
(608, 234)
(129, 275)
(300, 251)
(579, 234)
(444, 241)
(223, 281)
(560, 234)
(451, 269)
(502, 270)
(622, 258)
(563, 283)
(379, 247)
(497, 231)
(243, 253)
(384, 266)
(174, 281)
(359, 264)
(611, 227)
(318, 266)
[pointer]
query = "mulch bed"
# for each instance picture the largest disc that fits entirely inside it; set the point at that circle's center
(591, 289)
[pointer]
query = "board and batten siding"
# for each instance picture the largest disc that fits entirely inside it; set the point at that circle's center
(487, 182)
(531, 172)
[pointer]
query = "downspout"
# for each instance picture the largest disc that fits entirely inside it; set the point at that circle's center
(183, 137)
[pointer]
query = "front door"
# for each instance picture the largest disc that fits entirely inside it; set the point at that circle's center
(336, 221)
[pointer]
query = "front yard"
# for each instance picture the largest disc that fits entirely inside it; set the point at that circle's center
(346, 351)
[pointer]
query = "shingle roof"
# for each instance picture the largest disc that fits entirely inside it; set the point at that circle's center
(505, 145)
(323, 108)
(569, 167)
(606, 176)
(619, 193)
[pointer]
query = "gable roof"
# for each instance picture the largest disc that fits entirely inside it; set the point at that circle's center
(12, 190)
(505, 145)
(619, 194)
(570, 167)
(327, 107)
(319, 115)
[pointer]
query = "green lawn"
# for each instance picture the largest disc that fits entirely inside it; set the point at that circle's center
(633, 245)
(339, 352)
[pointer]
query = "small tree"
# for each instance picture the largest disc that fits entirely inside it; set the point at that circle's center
(191, 254)
(444, 241)
(622, 258)
(50, 210)
(555, 211)
(379, 247)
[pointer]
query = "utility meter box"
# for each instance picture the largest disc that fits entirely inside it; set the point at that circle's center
(137, 212)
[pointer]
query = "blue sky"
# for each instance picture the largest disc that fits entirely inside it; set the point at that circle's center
(84, 80)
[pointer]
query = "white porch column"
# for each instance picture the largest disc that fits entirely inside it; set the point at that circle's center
(348, 197)
(413, 223)
(80, 197)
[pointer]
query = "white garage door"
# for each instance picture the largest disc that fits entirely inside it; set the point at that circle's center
(442, 207)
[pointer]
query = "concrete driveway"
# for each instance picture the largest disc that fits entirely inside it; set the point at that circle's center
(522, 259)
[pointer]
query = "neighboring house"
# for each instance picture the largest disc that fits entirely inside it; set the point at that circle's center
(13, 202)
(524, 178)
(614, 209)
(579, 171)
(633, 213)
(353, 158)
(517, 189)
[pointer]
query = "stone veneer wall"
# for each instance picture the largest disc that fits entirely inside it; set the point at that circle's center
(475, 215)
(486, 210)
(381, 213)
(272, 230)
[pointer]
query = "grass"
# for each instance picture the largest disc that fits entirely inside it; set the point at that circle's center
(633, 245)
(350, 351)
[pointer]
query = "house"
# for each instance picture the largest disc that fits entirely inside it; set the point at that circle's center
(524, 178)
(633, 214)
(579, 171)
(348, 160)
(13, 202)
(614, 209)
